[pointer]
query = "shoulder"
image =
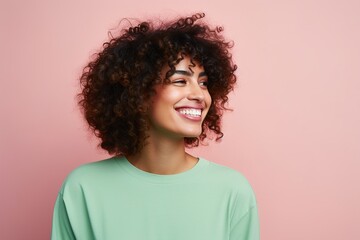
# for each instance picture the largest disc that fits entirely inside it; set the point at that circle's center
(231, 178)
(89, 173)
(227, 173)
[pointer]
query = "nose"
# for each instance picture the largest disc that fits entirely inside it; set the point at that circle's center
(196, 93)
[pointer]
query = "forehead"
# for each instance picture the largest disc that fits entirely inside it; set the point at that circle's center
(188, 63)
(185, 63)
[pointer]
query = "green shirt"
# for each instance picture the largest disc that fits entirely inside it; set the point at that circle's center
(114, 200)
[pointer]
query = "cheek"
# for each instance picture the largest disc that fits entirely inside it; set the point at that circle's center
(208, 99)
(208, 102)
(171, 95)
(166, 95)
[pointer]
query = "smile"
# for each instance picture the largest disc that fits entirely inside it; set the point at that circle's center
(190, 112)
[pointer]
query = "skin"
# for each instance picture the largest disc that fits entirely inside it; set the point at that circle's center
(172, 118)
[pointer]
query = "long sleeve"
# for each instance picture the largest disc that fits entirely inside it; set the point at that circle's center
(61, 227)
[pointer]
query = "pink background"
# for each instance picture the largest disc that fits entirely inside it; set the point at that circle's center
(294, 132)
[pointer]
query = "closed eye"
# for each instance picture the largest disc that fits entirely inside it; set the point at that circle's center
(179, 82)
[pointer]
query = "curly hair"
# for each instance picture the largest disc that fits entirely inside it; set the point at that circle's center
(118, 84)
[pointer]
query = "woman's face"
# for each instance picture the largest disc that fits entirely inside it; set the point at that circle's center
(180, 106)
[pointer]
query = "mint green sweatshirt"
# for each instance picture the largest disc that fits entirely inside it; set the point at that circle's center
(114, 200)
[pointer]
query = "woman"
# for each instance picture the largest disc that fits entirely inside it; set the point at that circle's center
(151, 92)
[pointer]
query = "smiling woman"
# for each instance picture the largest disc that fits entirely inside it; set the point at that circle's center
(180, 106)
(150, 93)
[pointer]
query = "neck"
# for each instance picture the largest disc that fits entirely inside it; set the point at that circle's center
(163, 156)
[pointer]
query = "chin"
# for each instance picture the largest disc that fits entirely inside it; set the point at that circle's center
(192, 134)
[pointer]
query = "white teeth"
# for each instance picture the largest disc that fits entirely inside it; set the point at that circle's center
(191, 112)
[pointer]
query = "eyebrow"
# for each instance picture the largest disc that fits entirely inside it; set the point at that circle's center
(188, 73)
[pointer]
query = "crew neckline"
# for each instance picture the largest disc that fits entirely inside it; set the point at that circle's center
(187, 175)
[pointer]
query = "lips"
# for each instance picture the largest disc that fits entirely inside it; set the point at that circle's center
(190, 113)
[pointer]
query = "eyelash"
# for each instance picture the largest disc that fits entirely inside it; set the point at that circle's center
(183, 81)
(179, 81)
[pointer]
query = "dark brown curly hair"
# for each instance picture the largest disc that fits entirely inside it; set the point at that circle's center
(117, 85)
